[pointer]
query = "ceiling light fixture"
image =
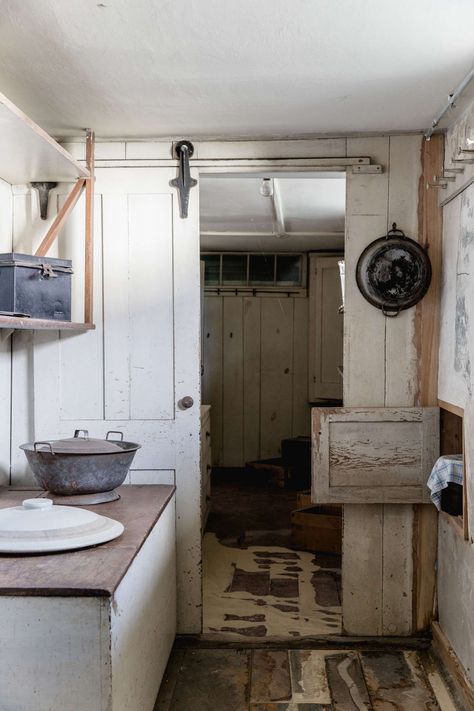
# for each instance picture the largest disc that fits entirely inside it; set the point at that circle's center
(266, 187)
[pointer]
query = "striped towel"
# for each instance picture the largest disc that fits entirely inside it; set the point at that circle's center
(447, 469)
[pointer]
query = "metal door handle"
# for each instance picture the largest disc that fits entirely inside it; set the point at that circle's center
(186, 402)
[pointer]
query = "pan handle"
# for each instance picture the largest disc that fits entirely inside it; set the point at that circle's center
(114, 432)
(390, 311)
(47, 444)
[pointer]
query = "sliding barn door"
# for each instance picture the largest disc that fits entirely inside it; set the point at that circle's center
(132, 372)
(374, 455)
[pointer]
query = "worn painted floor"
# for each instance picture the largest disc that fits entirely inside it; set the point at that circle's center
(268, 591)
(302, 680)
(255, 584)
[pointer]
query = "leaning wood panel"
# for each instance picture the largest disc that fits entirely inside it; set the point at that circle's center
(373, 455)
(325, 329)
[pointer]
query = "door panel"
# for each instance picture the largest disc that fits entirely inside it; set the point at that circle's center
(374, 455)
(325, 329)
(132, 371)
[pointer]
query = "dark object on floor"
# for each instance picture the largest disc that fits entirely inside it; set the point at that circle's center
(296, 456)
(249, 509)
(37, 286)
(318, 528)
(451, 499)
(269, 470)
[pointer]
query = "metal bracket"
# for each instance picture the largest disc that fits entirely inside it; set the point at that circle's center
(43, 193)
(367, 169)
(183, 183)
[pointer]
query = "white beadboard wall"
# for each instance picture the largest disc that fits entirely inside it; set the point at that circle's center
(456, 386)
(255, 356)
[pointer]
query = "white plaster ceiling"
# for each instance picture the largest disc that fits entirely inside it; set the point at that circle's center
(233, 68)
(236, 217)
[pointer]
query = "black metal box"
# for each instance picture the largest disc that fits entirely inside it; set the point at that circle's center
(39, 287)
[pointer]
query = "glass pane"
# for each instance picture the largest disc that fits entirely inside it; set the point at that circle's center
(234, 269)
(288, 270)
(262, 270)
(211, 269)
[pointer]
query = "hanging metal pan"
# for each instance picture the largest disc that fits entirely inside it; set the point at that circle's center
(394, 272)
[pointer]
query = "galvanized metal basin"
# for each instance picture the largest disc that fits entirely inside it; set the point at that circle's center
(64, 469)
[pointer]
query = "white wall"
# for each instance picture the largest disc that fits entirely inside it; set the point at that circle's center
(255, 356)
(456, 386)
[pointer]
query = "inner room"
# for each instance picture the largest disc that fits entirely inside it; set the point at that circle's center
(272, 266)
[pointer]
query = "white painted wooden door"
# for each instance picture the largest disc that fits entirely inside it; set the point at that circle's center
(144, 356)
(374, 454)
(326, 329)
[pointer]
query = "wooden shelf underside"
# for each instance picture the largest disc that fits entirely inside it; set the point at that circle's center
(29, 154)
(38, 324)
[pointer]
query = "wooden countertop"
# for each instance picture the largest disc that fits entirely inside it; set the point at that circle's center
(89, 572)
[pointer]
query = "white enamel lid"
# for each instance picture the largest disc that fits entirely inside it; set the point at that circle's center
(40, 526)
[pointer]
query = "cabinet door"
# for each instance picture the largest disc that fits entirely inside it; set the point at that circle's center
(374, 455)
(325, 329)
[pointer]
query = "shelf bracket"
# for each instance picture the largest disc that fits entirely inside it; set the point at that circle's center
(183, 183)
(61, 218)
(43, 194)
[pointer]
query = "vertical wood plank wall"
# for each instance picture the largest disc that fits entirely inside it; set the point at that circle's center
(380, 369)
(255, 374)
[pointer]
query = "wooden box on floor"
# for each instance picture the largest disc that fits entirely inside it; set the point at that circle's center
(318, 528)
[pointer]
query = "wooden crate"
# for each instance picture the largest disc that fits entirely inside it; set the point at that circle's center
(303, 499)
(317, 528)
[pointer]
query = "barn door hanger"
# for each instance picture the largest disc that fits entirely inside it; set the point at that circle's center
(183, 183)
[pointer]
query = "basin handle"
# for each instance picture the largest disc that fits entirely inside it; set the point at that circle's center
(114, 432)
(47, 444)
(85, 433)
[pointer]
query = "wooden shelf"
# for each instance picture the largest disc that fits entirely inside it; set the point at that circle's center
(29, 154)
(38, 324)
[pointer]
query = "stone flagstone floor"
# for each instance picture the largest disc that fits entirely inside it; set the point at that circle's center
(303, 680)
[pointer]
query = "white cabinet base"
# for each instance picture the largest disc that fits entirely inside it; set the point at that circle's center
(94, 653)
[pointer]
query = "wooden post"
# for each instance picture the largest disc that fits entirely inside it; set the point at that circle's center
(89, 232)
(425, 535)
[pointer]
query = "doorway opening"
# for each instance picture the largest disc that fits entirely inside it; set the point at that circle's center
(272, 264)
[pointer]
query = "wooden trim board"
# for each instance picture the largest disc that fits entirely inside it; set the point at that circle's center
(449, 659)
